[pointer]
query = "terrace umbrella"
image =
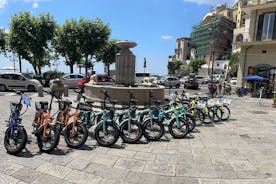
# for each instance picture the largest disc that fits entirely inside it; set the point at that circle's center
(254, 78)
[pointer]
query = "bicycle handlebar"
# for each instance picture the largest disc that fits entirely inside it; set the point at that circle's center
(48, 92)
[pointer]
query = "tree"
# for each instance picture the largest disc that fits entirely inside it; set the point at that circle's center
(44, 29)
(108, 54)
(2, 40)
(171, 66)
(93, 36)
(195, 64)
(30, 38)
(20, 36)
(233, 65)
(174, 67)
(67, 43)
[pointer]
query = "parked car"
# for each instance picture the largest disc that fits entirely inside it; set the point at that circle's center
(184, 79)
(17, 81)
(233, 81)
(192, 83)
(200, 79)
(171, 82)
(71, 80)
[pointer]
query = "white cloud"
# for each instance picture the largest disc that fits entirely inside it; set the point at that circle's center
(3, 3)
(35, 5)
(212, 2)
(166, 37)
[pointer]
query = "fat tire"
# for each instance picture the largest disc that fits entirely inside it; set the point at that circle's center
(81, 129)
(125, 137)
(22, 132)
(156, 122)
(100, 140)
(40, 140)
(183, 123)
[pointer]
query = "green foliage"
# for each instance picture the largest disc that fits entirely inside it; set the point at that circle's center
(174, 67)
(195, 64)
(30, 38)
(107, 54)
(67, 43)
(2, 40)
(93, 36)
(76, 40)
(233, 65)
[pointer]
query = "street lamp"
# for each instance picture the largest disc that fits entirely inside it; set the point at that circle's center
(213, 31)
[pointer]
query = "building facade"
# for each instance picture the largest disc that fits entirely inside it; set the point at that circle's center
(182, 52)
(213, 38)
(257, 42)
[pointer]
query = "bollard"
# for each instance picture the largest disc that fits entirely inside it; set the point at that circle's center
(40, 90)
(66, 89)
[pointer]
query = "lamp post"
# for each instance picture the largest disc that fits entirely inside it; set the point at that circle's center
(212, 31)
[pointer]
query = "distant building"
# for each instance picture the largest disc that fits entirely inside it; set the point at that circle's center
(182, 51)
(213, 38)
(256, 39)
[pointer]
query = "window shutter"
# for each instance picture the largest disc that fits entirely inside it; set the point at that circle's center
(260, 27)
(274, 28)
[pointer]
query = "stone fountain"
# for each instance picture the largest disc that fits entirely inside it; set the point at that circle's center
(124, 82)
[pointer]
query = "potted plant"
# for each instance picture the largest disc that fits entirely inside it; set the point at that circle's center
(274, 102)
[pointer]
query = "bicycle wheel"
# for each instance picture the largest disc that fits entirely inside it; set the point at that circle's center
(198, 115)
(210, 116)
(225, 112)
(217, 113)
(78, 138)
(131, 132)
(180, 130)
(15, 141)
(154, 130)
(50, 141)
(106, 135)
(191, 122)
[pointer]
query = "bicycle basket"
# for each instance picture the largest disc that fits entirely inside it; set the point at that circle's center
(201, 104)
(219, 101)
(227, 101)
(211, 102)
(41, 106)
(84, 107)
(14, 106)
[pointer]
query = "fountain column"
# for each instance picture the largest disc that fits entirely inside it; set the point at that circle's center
(125, 64)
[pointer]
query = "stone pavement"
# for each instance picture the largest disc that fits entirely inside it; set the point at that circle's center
(240, 151)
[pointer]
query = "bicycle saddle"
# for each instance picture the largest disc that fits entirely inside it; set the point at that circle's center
(66, 102)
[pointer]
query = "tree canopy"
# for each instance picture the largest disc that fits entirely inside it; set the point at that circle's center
(2, 40)
(67, 43)
(30, 38)
(195, 64)
(107, 54)
(233, 65)
(93, 36)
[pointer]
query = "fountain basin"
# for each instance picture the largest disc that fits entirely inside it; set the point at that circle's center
(121, 93)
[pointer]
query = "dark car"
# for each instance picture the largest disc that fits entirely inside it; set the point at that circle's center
(192, 83)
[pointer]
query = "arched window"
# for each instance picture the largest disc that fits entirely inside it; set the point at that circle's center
(239, 38)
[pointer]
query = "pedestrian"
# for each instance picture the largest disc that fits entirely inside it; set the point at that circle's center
(210, 88)
(220, 86)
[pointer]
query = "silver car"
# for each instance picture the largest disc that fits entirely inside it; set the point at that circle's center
(71, 80)
(17, 81)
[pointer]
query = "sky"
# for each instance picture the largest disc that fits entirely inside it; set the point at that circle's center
(153, 24)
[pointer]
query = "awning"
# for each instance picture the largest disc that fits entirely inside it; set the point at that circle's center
(254, 78)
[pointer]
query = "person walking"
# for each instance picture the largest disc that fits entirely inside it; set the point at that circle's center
(210, 88)
(220, 86)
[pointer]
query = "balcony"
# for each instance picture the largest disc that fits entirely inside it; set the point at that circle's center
(258, 5)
